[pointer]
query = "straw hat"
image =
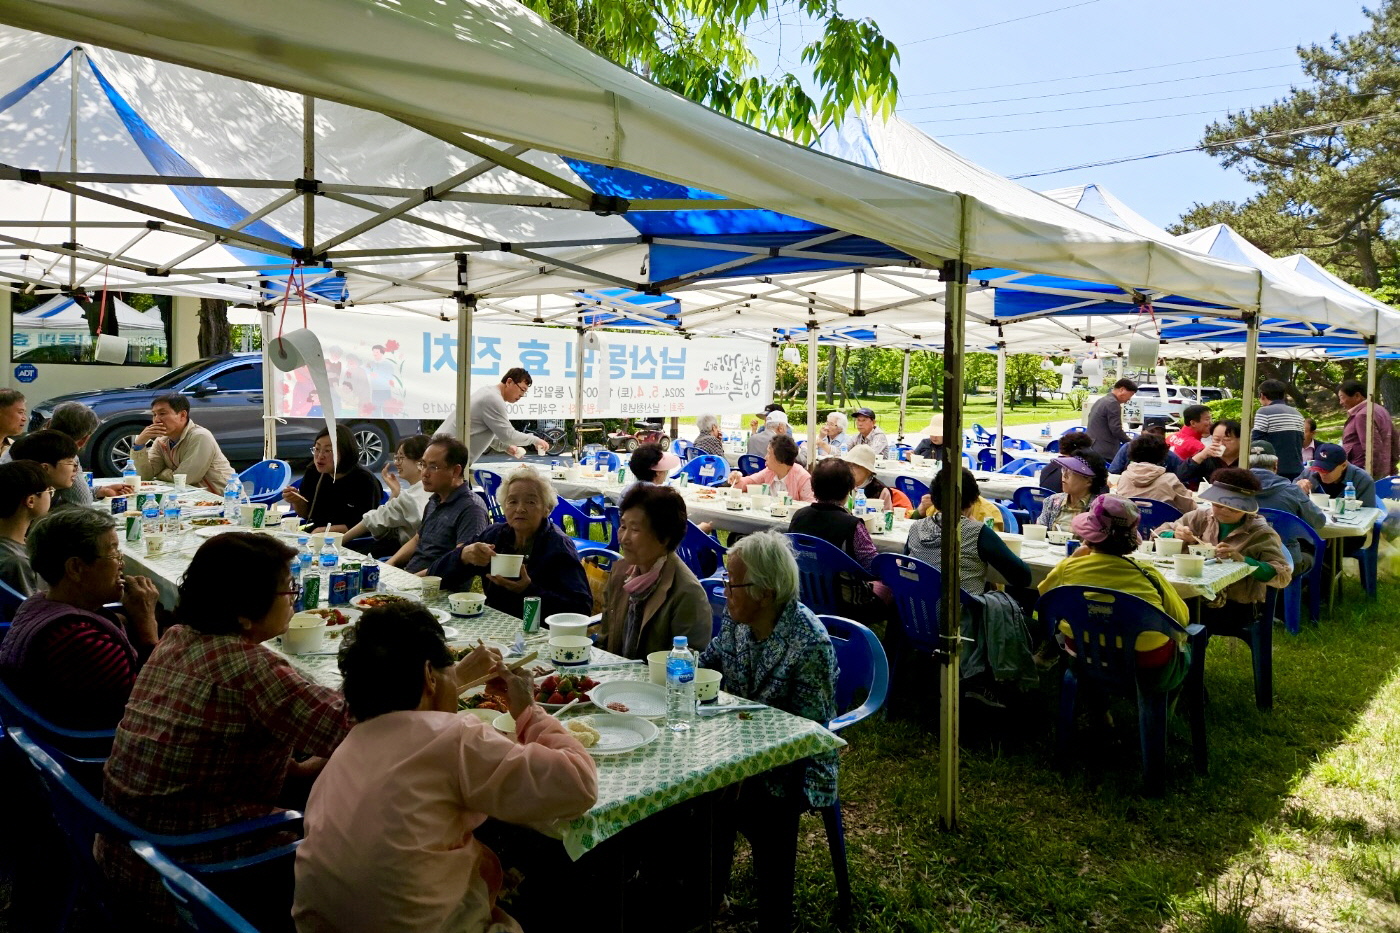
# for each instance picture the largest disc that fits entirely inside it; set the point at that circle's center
(862, 455)
(935, 426)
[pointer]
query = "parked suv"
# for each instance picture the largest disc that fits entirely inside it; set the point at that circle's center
(1162, 401)
(226, 396)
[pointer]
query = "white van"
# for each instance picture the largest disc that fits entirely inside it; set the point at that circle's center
(1152, 400)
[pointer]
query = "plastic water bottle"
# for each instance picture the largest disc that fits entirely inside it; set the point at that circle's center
(305, 559)
(233, 492)
(330, 558)
(1349, 495)
(173, 525)
(680, 685)
(858, 506)
(553, 466)
(129, 475)
(1045, 431)
(150, 521)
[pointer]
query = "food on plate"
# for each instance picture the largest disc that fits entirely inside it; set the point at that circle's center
(587, 735)
(209, 522)
(484, 700)
(380, 600)
(332, 616)
(557, 690)
(541, 671)
(619, 707)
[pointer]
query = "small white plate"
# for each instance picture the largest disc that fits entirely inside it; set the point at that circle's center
(209, 531)
(618, 735)
(506, 723)
(641, 698)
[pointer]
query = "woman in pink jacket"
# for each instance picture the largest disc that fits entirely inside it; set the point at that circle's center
(389, 844)
(783, 474)
(1146, 477)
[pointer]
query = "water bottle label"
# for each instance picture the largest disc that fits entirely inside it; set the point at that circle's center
(679, 672)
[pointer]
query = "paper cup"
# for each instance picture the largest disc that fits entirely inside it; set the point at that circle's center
(1170, 547)
(181, 480)
(432, 587)
(305, 633)
(567, 623)
(761, 501)
(656, 666)
(1321, 500)
(570, 649)
(155, 544)
(507, 565)
(707, 685)
(1033, 532)
(467, 604)
(1012, 541)
(1202, 550)
(1189, 565)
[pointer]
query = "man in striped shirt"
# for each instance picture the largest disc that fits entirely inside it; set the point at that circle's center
(1281, 425)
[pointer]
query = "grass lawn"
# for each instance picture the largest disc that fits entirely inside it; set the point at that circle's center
(1297, 826)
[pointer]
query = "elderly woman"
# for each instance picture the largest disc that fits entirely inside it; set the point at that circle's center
(827, 517)
(652, 465)
(708, 438)
(1239, 533)
(78, 421)
(1071, 443)
(1083, 477)
(861, 460)
(832, 439)
(66, 654)
(782, 473)
(1109, 532)
(931, 444)
(552, 570)
(217, 723)
(652, 596)
(979, 546)
(772, 649)
(1145, 476)
(389, 825)
(336, 491)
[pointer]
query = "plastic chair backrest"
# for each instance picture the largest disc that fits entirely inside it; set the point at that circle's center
(861, 665)
(692, 452)
(1008, 521)
(707, 470)
(269, 478)
(1106, 624)
(902, 451)
(915, 489)
(1031, 499)
(1015, 443)
(719, 602)
(200, 908)
(989, 459)
(680, 447)
(699, 551)
(822, 568)
(1053, 447)
(81, 751)
(583, 522)
(982, 435)
(1385, 487)
(601, 556)
(1152, 513)
(10, 598)
(1289, 526)
(490, 484)
(917, 588)
(749, 464)
(606, 458)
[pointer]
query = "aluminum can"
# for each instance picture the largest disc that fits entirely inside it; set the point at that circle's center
(340, 588)
(369, 576)
(133, 526)
(530, 614)
(352, 570)
(310, 591)
(87, 477)
(142, 498)
(119, 505)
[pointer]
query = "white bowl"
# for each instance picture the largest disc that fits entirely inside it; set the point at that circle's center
(1170, 547)
(488, 716)
(656, 666)
(707, 685)
(507, 565)
(570, 649)
(1033, 532)
(467, 604)
(567, 623)
(1189, 565)
(1012, 541)
(1057, 537)
(305, 633)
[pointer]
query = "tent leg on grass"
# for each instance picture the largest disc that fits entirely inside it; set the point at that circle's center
(466, 309)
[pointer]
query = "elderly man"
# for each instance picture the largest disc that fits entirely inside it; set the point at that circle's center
(172, 443)
(491, 417)
(1276, 492)
(1352, 395)
(14, 416)
(708, 438)
(776, 423)
(772, 649)
(831, 439)
(78, 421)
(867, 434)
(1105, 425)
(1330, 472)
(453, 516)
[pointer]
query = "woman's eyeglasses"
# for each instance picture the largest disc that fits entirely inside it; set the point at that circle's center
(294, 592)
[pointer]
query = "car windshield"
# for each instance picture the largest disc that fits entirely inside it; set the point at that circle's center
(176, 376)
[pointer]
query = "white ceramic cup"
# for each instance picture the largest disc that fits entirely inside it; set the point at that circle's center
(1170, 547)
(305, 633)
(467, 604)
(1189, 565)
(567, 623)
(506, 565)
(432, 586)
(1033, 532)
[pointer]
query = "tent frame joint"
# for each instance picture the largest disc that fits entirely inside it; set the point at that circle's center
(605, 205)
(954, 270)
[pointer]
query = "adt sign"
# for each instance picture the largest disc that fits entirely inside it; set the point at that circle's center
(26, 372)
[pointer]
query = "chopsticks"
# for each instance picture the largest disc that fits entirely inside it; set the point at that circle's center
(486, 678)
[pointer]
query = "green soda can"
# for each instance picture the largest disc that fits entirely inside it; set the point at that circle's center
(530, 615)
(311, 591)
(133, 527)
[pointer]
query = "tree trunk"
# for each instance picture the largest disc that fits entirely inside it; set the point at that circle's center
(830, 374)
(215, 335)
(1366, 258)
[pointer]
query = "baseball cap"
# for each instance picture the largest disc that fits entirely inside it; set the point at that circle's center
(776, 417)
(864, 413)
(1262, 447)
(1327, 458)
(772, 407)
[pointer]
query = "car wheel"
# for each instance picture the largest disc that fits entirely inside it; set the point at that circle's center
(375, 446)
(111, 452)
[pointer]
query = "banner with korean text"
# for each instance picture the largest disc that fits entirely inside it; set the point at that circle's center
(406, 366)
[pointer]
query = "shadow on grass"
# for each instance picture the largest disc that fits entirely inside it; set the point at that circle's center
(1038, 850)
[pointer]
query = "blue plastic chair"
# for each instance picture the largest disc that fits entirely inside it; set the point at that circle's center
(681, 448)
(1021, 466)
(917, 588)
(10, 598)
(1053, 447)
(81, 816)
(564, 510)
(608, 460)
(749, 464)
(1105, 625)
(200, 908)
(705, 470)
(822, 569)
(719, 602)
(1368, 559)
(913, 488)
(1259, 636)
(692, 452)
(490, 484)
(1015, 443)
(981, 435)
(902, 451)
(269, 478)
(1152, 513)
(989, 459)
(967, 461)
(701, 553)
(1008, 520)
(82, 751)
(1289, 527)
(1385, 488)
(1031, 500)
(861, 667)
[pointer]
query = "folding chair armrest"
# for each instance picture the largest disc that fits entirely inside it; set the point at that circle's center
(851, 717)
(248, 861)
(287, 819)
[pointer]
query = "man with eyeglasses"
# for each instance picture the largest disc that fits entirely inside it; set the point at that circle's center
(491, 418)
(54, 452)
(454, 515)
(396, 521)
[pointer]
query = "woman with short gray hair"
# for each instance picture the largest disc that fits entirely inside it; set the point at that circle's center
(772, 649)
(832, 439)
(78, 421)
(708, 436)
(551, 570)
(66, 654)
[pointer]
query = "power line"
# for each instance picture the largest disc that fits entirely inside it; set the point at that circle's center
(1098, 74)
(1126, 103)
(1017, 19)
(1300, 131)
(1068, 126)
(1099, 90)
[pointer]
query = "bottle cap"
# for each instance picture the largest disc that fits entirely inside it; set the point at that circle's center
(680, 641)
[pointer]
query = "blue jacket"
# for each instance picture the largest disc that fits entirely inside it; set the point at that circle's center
(556, 573)
(1120, 460)
(1283, 494)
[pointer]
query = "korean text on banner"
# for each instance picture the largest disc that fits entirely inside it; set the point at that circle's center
(403, 367)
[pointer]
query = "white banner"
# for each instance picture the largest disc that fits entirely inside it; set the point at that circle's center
(406, 367)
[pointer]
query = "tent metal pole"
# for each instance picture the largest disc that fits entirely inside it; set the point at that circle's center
(466, 309)
(74, 64)
(812, 392)
(308, 170)
(1001, 403)
(1200, 383)
(1371, 401)
(578, 390)
(904, 394)
(269, 416)
(954, 275)
(1251, 374)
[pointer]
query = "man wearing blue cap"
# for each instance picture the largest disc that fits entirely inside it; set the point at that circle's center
(1330, 472)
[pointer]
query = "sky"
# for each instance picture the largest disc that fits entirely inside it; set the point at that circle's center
(972, 80)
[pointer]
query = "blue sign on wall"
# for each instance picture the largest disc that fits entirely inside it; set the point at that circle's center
(26, 372)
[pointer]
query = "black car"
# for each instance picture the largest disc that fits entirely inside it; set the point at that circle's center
(226, 396)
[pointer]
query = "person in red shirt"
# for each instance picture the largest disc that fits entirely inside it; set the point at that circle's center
(1189, 441)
